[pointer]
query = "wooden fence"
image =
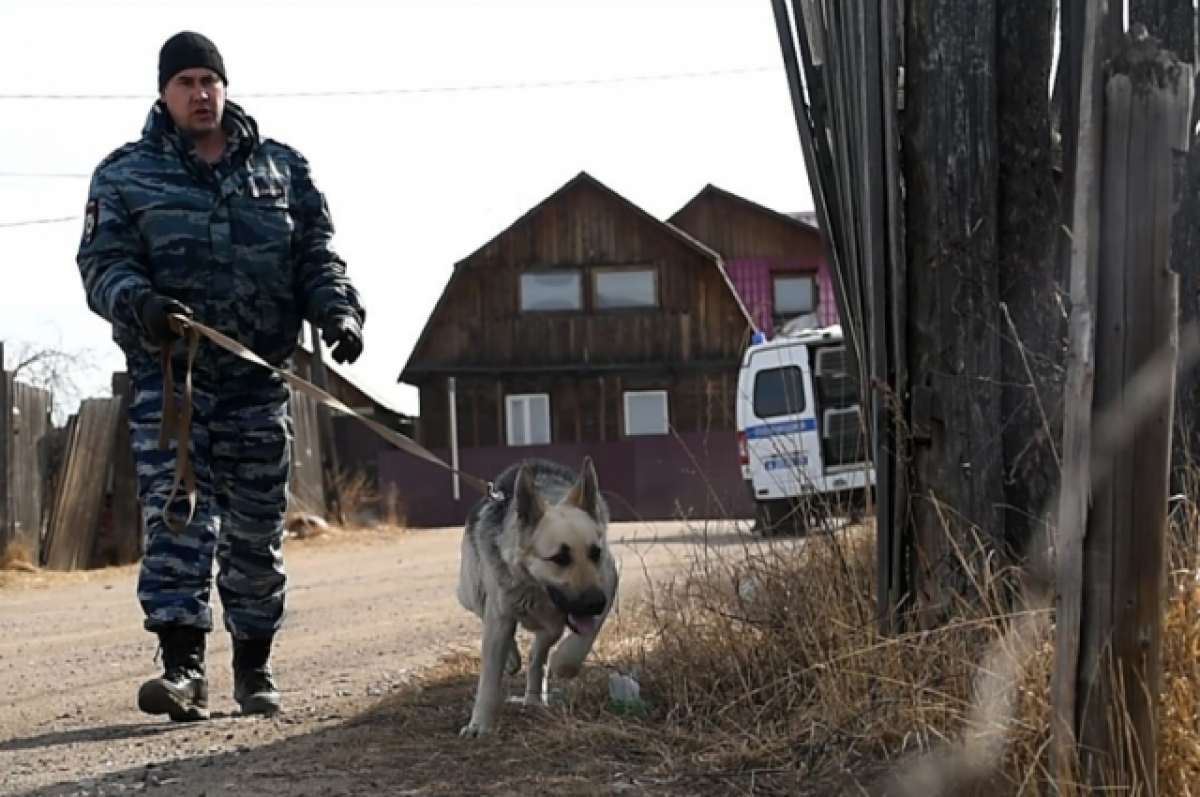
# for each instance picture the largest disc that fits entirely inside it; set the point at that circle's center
(24, 427)
(68, 495)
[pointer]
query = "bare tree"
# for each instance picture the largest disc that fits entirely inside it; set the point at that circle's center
(68, 375)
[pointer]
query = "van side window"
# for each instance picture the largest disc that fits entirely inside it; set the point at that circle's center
(778, 392)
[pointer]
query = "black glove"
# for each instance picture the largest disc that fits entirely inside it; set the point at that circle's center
(344, 337)
(155, 316)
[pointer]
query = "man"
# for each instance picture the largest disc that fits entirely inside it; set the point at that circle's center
(203, 218)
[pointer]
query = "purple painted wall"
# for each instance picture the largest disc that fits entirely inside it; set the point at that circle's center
(692, 475)
(752, 279)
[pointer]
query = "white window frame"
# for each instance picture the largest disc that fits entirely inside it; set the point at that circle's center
(666, 403)
(523, 403)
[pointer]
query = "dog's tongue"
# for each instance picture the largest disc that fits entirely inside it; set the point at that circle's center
(584, 625)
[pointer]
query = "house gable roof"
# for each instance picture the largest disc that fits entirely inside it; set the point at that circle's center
(341, 372)
(711, 190)
(582, 178)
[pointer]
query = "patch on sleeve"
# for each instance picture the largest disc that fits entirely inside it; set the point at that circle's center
(91, 219)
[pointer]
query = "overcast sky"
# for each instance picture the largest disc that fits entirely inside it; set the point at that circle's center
(416, 179)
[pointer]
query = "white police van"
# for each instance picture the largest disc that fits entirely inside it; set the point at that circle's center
(802, 437)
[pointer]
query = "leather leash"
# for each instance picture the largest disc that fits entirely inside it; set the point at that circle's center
(177, 422)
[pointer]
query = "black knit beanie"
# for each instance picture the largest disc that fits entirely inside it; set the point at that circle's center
(187, 51)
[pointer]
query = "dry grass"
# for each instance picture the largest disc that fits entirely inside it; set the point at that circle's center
(764, 674)
(18, 559)
(361, 510)
(362, 505)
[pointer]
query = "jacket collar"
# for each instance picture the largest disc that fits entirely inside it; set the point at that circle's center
(241, 128)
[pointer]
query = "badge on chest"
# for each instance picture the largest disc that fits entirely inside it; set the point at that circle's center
(266, 185)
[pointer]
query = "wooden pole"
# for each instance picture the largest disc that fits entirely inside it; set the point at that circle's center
(1111, 710)
(1082, 107)
(893, 524)
(452, 400)
(1032, 332)
(951, 171)
(329, 457)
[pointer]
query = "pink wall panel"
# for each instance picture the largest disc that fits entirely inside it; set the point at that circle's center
(751, 278)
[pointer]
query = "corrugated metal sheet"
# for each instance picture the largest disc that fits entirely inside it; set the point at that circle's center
(752, 278)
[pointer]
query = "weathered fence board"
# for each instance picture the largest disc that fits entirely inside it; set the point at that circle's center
(1082, 107)
(844, 90)
(79, 499)
(31, 426)
(308, 480)
(1108, 681)
(24, 427)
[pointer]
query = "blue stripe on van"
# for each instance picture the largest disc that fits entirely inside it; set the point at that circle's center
(785, 427)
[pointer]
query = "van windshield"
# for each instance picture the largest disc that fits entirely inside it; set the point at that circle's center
(779, 392)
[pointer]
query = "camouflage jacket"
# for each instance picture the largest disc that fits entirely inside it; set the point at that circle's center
(245, 243)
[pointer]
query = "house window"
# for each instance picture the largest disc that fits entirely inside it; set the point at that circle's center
(551, 291)
(528, 419)
(626, 289)
(646, 412)
(795, 295)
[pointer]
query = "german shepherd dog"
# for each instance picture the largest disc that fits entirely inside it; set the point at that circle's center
(536, 555)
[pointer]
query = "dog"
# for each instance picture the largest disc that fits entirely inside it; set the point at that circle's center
(535, 554)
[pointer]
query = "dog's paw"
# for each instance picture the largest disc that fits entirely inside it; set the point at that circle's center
(476, 731)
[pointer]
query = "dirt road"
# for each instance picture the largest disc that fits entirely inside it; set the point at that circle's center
(366, 613)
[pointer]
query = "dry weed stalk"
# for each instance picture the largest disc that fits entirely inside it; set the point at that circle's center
(362, 505)
(18, 558)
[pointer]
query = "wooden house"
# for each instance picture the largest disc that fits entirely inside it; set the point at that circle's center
(776, 261)
(587, 327)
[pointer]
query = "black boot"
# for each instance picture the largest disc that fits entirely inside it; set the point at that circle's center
(182, 691)
(253, 683)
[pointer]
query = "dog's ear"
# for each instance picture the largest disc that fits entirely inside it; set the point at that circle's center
(585, 494)
(530, 506)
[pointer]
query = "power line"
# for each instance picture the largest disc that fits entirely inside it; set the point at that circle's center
(427, 90)
(31, 222)
(46, 175)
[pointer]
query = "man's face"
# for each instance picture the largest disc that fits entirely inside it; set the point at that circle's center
(196, 100)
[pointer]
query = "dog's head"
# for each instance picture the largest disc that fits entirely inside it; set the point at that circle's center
(563, 546)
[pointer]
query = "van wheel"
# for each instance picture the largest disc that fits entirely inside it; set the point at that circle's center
(779, 518)
(763, 521)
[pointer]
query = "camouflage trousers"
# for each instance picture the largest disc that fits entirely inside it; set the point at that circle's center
(241, 453)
